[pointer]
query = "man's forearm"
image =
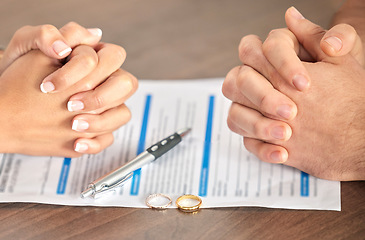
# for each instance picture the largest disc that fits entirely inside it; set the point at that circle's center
(352, 12)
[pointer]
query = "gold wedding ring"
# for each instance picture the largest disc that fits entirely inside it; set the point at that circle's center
(189, 203)
(158, 201)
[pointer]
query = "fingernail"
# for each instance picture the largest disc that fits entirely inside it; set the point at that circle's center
(47, 87)
(278, 157)
(278, 133)
(334, 42)
(81, 147)
(80, 125)
(300, 82)
(61, 48)
(95, 31)
(284, 111)
(74, 106)
(295, 13)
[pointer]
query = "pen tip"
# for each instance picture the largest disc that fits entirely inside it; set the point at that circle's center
(184, 131)
(87, 193)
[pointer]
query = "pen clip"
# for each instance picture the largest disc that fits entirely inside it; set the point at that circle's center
(120, 183)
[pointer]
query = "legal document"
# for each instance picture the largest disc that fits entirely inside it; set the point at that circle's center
(210, 162)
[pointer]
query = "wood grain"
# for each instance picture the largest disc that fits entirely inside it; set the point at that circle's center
(171, 40)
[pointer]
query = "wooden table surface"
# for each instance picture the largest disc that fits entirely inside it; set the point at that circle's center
(172, 40)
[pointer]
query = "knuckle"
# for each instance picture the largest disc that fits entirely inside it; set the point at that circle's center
(132, 80)
(98, 101)
(314, 31)
(47, 30)
(116, 54)
(226, 89)
(278, 34)
(98, 149)
(74, 155)
(259, 128)
(60, 80)
(233, 112)
(231, 125)
(247, 48)
(318, 30)
(89, 135)
(127, 115)
(72, 25)
(21, 30)
(247, 142)
(88, 86)
(237, 116)
(274, 76)
(88, 61)
(273, 32)
(103, 141)
(72, 30)
(110, 141)
(286, 66)
(18, 35)
(98, 125)
(275, 38)
(264, 102)
(247, 40)
(119, 53)
(243, 79)
(269, 45)
(229, 82)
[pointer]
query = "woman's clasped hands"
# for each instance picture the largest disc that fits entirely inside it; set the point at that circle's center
(62, 91)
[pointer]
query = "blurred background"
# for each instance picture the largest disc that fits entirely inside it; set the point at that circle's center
(167, 39)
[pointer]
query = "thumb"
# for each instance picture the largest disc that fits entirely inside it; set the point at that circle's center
(52, 42)
(341, 40)
(308, 34)
(46, 38)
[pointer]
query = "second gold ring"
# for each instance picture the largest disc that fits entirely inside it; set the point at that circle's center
(189, 203)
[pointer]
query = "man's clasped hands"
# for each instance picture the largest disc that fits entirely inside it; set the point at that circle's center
(298, 97)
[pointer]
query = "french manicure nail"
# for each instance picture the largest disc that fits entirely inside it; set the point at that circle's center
(95, 31)
(61, 48)
(47, 87)
(81, 147)
(80, 125)
(295, 13)
(284, 111)
(300, 82)
(74, 106)
(334, 42)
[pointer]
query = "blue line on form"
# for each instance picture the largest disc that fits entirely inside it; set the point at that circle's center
(62, 182)
(204, 174)
(304, 184)
(141, 146)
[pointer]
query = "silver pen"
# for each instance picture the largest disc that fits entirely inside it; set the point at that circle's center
(118, 176)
